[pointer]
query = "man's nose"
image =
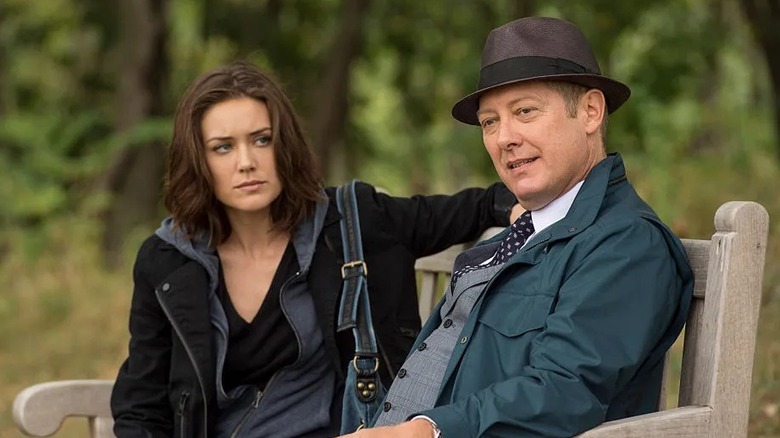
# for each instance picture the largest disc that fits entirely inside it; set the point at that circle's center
(508, 137)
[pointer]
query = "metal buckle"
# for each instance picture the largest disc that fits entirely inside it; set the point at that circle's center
(376, 364)
(352, 265)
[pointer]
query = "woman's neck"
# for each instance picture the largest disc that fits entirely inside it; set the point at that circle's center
(253, 235)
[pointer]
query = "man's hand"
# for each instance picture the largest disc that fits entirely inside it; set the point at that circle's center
(418, 428)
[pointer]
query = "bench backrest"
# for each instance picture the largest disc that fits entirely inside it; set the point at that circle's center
(717, 359)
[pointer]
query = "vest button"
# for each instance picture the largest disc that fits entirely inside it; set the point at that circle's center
(447, 323)
(422, 346)
(387, 406)
(464, 339)
(401, 373)
(166, 287)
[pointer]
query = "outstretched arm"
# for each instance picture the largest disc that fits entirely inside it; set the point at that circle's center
(429, 224)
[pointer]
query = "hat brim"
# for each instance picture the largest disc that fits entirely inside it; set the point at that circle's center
(615, 93)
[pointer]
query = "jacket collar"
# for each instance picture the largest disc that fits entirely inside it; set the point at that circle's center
(306, 235)
(197, 249)
(587, 204)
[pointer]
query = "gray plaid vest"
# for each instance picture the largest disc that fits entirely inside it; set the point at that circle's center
(417, 385)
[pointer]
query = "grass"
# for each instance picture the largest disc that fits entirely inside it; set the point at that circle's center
(61, 317)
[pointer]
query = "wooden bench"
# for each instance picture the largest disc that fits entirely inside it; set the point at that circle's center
(717, 361)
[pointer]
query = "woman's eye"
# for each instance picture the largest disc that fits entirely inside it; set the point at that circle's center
(263, 140)
(222, 148)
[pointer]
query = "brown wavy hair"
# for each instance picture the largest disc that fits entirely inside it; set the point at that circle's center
(188, 190)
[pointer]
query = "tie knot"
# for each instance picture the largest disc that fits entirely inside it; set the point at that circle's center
(519, 232)
(524, 224)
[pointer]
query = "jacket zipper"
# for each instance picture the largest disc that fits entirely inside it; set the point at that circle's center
(245, 417)
(259, 394)
(190, 355)
(287, 316)
(182, 419)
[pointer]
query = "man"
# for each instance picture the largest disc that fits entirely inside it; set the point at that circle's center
(561, 322)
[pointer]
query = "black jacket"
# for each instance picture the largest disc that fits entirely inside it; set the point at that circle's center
(158, 391)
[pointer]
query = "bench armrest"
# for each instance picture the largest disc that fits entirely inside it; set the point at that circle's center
(687, 421)
(39, 410)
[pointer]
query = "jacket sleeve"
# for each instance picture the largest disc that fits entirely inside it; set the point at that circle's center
(615, 302)
(429, 224)
(139, 401)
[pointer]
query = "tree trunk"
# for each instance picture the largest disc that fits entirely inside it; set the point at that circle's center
(3, 86)
(523, 8)
(328, 117)
(764, 16)
(134, 177)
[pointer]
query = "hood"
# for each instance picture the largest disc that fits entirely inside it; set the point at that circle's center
(304, 240)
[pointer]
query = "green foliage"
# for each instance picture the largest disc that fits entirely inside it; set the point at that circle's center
(697, 132)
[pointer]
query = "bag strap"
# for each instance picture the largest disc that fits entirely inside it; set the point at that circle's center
(355, 309)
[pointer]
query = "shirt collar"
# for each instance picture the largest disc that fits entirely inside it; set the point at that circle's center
(555, 210)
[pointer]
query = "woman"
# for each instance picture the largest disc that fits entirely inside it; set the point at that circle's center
(235, 298)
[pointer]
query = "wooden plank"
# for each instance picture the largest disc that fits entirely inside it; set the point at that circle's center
(427, 294)
(742, 228)
(698, 252)
(688, 422)
(694, 362)
(664, 383)
(439, 262)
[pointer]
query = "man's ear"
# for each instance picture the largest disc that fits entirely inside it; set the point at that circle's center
(595, 107)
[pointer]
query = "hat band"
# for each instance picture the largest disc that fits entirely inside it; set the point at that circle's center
(526, 67)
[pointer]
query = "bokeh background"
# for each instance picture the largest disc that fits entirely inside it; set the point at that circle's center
(87, 89)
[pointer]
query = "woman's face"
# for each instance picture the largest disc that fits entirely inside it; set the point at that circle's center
(240, 155)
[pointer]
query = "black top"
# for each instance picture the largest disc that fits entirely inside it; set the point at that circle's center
(259, 348)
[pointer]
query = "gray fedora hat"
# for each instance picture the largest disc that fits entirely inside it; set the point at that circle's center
(538, 48)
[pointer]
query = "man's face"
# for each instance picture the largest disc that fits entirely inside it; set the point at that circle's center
(539, 151)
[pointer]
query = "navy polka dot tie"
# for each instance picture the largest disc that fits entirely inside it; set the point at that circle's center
(519, 232)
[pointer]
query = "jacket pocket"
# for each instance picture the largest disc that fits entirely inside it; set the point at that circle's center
(513, 314)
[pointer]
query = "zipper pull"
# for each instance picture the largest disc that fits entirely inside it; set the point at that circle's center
(258, 396)
(183, 401)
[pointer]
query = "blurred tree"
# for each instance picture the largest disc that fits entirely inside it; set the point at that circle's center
(764, 17)
(88, 88)
(328, 122)
(3, 67)
(54, 127)
(134, 175)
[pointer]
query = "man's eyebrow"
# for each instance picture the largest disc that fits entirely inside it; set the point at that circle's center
(510, 103)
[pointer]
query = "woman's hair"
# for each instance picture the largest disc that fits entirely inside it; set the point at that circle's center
(188, 190)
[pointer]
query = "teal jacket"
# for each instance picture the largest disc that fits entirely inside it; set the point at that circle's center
(572, 331)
